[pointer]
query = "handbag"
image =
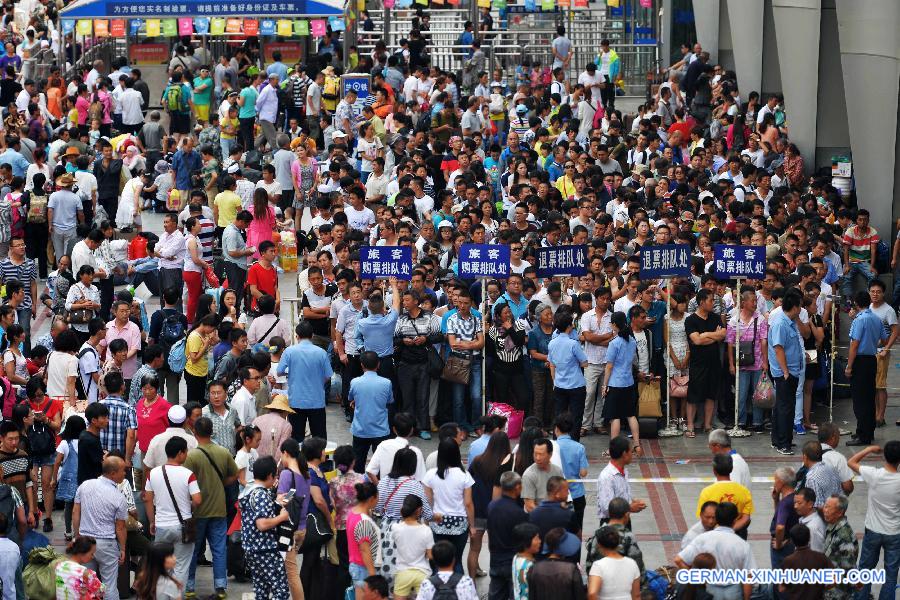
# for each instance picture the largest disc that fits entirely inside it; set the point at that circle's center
(457, 369)
(649, 400)
(189, 525)
(764, 394)
(318, 533)
(81, 316)
(434, 361)
(747, 350)
(678, 386)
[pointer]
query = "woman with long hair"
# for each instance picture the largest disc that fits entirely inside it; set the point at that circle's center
(201, 338)
(486, 470)
(313, 451)
(194, 266)
(156, 580)
(263, 224)
(65, 483)
(83, 295)
(523, 457)
(294, 476)
(73, 578)
(392, 490)
(362, 534)
(449, 491)
(206, 305)
(228, 303)
(619, 387)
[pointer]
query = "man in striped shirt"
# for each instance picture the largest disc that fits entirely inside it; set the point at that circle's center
(16, 266)
(860, 249)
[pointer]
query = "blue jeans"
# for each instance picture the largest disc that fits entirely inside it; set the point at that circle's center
(464, 420)
(863, 268)
(798, 399)
(212, 530)
(868, 557)
(748, 381)
(358, 574)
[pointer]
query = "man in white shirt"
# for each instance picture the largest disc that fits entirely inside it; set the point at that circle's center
(171, 494)
(24, 97)
(170, 251)
(805, 505)
(244, 400)
(706, 523)
(592, 82)
(720, 443)
(130, 102)
(383, 458)
(89, 359)
(830, 437)
(613, 479)
(596, 332)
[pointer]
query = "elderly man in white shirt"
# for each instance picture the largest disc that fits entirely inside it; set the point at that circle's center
(170, 251)
(805, 505)
(830, 437)
(720, 443)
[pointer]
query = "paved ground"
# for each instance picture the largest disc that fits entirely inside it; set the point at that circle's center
(671, 504)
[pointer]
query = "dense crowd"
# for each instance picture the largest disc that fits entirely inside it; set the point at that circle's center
(263, 170)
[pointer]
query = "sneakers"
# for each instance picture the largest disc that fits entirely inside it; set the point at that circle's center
(425, 435)
(785, 451)
(799, 429)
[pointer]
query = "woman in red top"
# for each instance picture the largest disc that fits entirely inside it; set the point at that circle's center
(152, 412)
(47, 412)
(83, 106)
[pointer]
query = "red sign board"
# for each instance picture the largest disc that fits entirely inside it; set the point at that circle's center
(148, 54)
(291, 52)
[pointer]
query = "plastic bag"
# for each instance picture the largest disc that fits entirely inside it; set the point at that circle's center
(764, 394)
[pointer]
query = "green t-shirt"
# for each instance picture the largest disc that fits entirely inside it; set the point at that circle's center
(211, 489)
(204, 97)
(248, 110)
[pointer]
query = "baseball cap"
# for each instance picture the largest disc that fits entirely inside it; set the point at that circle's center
(338, 134)
(568, 546)
(521, 109)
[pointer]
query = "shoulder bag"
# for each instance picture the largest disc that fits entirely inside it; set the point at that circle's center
(81, 316)
(188, 526)
(747, 350)
(318, 532)
(434, 361)
(457, 369)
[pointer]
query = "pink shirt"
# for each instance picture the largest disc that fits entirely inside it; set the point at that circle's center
(762, 331)
(132, 336)
(152, 420)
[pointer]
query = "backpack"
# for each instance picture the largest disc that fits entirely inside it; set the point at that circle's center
(332, 88)
(172, 330)
(445, 590)
(8, 508)
(37, 209)
(41, 438)
(178, 356)
(175, 101)
(96, 109)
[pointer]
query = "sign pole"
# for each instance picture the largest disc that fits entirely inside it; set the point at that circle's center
(669, 430)
(483, 350)
(833, 354)
(737, 430)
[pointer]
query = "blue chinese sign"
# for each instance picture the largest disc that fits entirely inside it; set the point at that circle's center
(561, 260)
(358, 83)
(386, 261)
(739, 261)
(483, 260)
(670, 260)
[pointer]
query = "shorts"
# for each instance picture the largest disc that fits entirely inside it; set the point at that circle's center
(703, 383)
(179, 122)
(407, 582)
(881, 370)
(358, 574)
(481, 524)
(201, 111)
(43, 461)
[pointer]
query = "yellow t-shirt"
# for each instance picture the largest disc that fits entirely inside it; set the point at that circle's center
(228, 204)
(201, 367)
(727, 491)
(229, 122)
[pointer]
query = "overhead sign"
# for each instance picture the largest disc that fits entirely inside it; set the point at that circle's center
(379, 262)
(99, 9)
(483, 260)
(561, 260)
(670, 260)
(358, 82)
(747, 262)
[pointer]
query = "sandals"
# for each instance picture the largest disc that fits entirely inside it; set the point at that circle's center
(690, 433)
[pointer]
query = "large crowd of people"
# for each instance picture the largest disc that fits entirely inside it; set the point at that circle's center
(264, 169)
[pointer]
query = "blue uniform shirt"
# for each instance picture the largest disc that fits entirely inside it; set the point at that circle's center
(868, 330)
(376, 333)
(574, 459)
(372, 394)
(307, 367)
(620, 353)
(783, 332)
(566, 356)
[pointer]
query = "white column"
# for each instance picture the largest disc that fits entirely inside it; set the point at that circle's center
(868, 31)
(746, 20)
(797, 24)
(706, 20)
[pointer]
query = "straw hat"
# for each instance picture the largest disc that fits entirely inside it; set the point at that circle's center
(72, 151)
(280, 402)
(65, 180)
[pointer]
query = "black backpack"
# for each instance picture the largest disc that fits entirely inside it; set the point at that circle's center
(445, 590)
(41, 439)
